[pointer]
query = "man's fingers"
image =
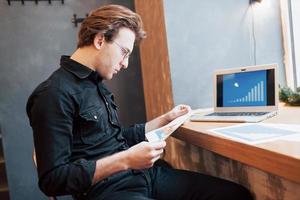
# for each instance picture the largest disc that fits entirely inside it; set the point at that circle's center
(160, 151)
(158, 145)
(155, 158)
(157, 153)
(185, 108)
(182, 109)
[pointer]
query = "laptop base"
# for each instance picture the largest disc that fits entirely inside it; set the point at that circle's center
(223, 117)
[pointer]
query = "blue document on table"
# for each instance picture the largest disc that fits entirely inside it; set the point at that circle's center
(257, 133)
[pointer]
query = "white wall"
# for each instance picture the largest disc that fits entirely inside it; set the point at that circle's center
(212, 34)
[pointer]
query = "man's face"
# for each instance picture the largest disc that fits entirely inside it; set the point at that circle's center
(113, 56)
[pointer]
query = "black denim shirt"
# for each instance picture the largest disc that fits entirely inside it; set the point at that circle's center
(74, 121)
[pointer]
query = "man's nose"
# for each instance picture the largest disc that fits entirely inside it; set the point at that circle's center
(124, 63)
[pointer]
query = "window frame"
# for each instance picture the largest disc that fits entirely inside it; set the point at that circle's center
(291, 49)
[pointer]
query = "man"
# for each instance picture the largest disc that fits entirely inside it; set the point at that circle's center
(82, 149)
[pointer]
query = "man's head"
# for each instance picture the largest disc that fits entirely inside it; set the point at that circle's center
(110, 31)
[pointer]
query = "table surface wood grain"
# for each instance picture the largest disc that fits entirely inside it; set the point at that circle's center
(280, 157)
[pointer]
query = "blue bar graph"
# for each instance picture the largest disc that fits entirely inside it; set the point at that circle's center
(245, 89)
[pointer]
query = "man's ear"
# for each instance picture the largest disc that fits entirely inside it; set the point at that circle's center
(99, 40)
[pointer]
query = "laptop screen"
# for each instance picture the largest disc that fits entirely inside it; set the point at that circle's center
(243, 89)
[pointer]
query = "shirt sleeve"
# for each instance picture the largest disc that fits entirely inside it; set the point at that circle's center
(134, 134)
(51, 114)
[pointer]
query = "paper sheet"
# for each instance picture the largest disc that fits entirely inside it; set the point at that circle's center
(165, 131)
(254, 133)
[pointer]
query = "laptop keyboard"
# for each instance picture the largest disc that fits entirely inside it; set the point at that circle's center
(238, 114)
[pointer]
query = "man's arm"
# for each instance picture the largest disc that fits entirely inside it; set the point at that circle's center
(167, 117)
(140, 156)
(136, 133)
(51, 114)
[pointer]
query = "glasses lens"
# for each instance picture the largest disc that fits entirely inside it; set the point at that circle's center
(125, 52)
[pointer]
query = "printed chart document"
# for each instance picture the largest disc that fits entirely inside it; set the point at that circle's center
(165, 131)
(254, 133)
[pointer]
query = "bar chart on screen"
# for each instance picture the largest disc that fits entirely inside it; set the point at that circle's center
(255, 94)
(245, 89)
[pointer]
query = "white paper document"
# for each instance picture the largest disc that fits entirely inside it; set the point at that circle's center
(257, 132)
(165, 131)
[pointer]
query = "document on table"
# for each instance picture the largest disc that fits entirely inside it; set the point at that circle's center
(254, 133)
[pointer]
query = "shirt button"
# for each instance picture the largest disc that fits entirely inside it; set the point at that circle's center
(95, 117)
(106, 103)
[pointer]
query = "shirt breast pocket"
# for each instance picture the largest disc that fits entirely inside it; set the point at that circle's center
(92, 125)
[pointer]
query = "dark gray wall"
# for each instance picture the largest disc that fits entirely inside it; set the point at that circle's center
(33, 37)
(207, 35)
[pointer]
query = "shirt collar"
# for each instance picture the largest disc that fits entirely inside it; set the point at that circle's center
(79, 70)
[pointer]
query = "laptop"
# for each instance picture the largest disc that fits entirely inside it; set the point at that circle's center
(245, 94)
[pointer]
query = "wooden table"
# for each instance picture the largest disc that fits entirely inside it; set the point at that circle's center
(278, 159)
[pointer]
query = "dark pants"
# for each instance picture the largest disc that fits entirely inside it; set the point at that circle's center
(166, 184)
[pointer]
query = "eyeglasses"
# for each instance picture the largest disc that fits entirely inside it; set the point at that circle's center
(125, 51)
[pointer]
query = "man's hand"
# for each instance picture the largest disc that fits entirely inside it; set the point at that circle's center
(167, 118)
(177, 112)
(143, 155)
(140, 156)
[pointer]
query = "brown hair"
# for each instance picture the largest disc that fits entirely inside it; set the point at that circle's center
(108, 20)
